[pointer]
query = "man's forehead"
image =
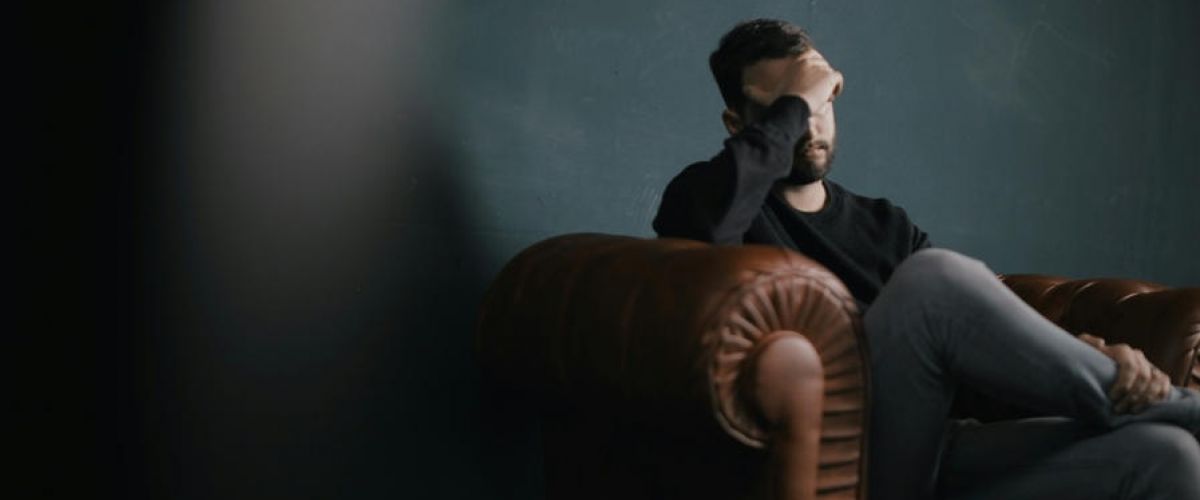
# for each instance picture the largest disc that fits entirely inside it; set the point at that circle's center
(770, 69)
(766, 69)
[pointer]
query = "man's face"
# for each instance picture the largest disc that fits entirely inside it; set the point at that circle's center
(813, 153)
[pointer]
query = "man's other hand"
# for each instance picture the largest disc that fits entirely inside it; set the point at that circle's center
(1139, 383)
(808, 76)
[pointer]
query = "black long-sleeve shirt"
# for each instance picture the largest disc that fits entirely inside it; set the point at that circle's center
(729, 200)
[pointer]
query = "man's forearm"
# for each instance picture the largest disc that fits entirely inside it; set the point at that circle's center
(716, 201)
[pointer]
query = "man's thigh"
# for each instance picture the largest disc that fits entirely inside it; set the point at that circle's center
(1060, 458)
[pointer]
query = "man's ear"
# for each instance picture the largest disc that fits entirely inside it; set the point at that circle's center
(733, 122)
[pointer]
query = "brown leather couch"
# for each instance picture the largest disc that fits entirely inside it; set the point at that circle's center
(676, 369)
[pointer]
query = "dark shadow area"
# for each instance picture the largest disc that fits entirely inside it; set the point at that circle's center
(345, 374)
(220, 340)
(82, 76)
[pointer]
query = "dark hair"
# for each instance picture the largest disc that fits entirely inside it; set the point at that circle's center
(750, 42)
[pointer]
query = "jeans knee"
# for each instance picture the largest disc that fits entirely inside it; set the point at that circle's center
(1165, 450)
(937, 259)
(938, 269)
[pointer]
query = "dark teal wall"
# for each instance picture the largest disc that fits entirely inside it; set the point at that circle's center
(320, 192)
(1050, 137)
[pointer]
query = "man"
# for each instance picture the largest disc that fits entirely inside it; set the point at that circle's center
(934, 319)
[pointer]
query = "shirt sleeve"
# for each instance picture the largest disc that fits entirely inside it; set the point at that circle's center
(920, 240)
(917, 239)
(716, 201)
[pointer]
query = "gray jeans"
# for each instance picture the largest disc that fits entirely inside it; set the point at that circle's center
(943, 320)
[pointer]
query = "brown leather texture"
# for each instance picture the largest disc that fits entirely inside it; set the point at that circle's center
(640, 353)
(641, 356)
(1163, 322)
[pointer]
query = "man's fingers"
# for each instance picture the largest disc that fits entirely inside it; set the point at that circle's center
(1141, 391)
(810, 55)
(840, 81)
(1092, 340)
(1126, 373)
(1162, 386)
(812, 78)
(1157, 390)
(1139, 383)
(831, 85)
(1145, 374)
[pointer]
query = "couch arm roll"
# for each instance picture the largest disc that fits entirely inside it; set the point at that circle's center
(661, 331)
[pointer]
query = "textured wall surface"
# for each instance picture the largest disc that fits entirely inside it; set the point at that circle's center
(324, 190)
(1052, 137)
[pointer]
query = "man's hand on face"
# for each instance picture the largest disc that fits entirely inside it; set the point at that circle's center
(1138, 383)
(808, 76)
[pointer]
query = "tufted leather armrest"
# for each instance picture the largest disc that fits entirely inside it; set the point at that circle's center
(665, 334)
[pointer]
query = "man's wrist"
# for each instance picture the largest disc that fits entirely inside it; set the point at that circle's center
(788, 115)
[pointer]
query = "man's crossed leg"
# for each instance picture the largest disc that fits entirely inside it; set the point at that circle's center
(943, 320)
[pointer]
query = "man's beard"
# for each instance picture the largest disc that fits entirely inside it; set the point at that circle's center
(806, 171)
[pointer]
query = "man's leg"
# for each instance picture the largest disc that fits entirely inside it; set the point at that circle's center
(1056, 458)
(945, 319)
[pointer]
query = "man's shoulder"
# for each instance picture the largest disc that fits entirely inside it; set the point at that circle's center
(694, 169)
(856, 198)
